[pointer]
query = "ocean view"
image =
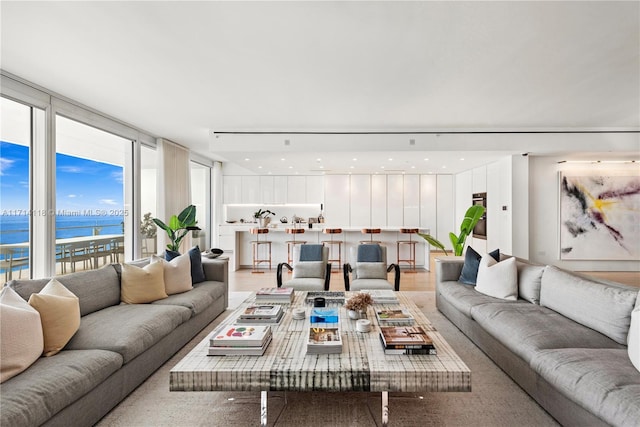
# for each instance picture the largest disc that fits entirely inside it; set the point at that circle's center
(15, 228)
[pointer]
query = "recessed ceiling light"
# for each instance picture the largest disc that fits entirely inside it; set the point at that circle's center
(355, 160)
(426, 160)
(461, 158)
(283, 159)
(381, 167)
(290, 167)
(413, 167)
(318, 160)
(268, 173)
(247, 159)
(390, 159)
(259, 167)
(444, 167)
(321, 167)
(351, 167)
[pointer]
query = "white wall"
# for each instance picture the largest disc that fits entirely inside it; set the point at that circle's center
(544, 231)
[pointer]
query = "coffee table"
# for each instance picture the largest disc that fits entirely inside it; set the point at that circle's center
(362, 365)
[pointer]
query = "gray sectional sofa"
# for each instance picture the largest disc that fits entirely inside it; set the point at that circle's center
(563, 341)
(116, 348)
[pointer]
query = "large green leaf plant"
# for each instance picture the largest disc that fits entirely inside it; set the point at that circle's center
(471, 218)
(179, 226)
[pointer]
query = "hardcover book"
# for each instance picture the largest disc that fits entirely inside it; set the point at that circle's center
(261, 311)
(395, 317)
(382, 296)
(240, 336)
(278, 295)
(239, 351)
(402, 337)
(324, 340)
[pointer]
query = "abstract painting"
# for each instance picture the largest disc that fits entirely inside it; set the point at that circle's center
(600, 217)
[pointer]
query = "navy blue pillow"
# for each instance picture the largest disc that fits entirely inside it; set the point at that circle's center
(469, 273)
(197, 270)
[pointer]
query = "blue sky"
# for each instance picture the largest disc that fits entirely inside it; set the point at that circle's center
(81, 184)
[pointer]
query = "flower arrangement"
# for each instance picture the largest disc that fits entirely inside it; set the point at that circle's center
(359, 302)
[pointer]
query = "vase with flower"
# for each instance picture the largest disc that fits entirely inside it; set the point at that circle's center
(357, 305)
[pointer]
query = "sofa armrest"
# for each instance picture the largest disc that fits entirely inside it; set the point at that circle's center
(448, 268)
(216, 269)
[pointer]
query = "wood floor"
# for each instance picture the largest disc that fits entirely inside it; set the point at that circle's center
(245, 280)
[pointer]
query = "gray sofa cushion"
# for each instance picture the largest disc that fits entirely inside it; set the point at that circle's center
(96, 289)
(309, 270)
(603, 307)
(305, 284)
(371, 270)
(527, 328)
(600, 380)
(197, 299)
(529, 281)
(128, 329)
(360, 284)
(53, 383)
(464, 297)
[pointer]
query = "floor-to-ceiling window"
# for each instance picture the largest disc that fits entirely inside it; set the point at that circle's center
(148, 200)
(16, 138)
(90, 204)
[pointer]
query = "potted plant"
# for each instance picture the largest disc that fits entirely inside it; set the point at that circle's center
(148, 228)
(357, 305)
(471, 218)
(262, 217)
(179, 226)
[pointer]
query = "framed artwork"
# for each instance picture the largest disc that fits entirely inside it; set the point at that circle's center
(599, 217)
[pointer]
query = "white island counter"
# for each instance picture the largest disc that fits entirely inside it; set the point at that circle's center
(235, 240)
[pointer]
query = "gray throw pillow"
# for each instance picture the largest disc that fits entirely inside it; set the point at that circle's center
(371, 270)
(308, 270)
(529, 281)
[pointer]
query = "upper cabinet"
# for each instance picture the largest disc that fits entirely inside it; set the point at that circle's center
(360, 201)
(337, 200)
(378, 200)
(395, 203)
(251, 189)
(315, 189)
(411, 200)
(232, 189)
(296, 189)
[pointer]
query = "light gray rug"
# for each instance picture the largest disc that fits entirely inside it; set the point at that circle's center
(494, 401)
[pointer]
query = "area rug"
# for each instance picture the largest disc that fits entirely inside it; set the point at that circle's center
(495, 400)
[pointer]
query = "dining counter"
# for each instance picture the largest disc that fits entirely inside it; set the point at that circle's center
(235, 239)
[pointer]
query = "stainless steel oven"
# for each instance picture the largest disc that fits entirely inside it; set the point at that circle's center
(480, 230)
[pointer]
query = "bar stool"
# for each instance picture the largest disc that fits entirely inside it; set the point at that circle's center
(292, 243)
(255, 246)
(331, 242)
(412, 249)
(370, 232)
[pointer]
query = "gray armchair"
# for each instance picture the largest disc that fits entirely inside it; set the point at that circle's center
(311, 269)
(370, 269)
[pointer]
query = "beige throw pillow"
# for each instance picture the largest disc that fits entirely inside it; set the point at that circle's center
(59, 312)
(142, 285)
(498, 279)
(21, 332)
(177, 273)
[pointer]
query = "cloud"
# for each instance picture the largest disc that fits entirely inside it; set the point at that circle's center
(71, 169)
(24, 184)
(5, 164)
(71, 196)
(108, 202)
(118, 176)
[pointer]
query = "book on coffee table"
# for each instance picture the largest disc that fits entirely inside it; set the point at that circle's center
(239, 351)
(394, 317)
(382, 296)
(324, 340)
(240, 336)
(275, 295)
(405, 337)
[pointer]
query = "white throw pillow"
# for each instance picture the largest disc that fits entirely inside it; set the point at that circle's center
(633, 341)
(21, 331)
(177, 273)
(498, 279)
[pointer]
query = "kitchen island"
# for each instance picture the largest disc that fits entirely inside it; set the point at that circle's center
(235, 240)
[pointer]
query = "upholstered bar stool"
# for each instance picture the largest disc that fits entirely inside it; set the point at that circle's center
(371, 232)
(255, 246)
(292, 243)
(330, 243)
(411, 260)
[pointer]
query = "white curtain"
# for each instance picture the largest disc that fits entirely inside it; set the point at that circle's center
(174, 187)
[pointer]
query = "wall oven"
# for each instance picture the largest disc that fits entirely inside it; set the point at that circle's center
(480, 230)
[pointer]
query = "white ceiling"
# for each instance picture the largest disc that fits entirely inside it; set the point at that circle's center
(185, 70)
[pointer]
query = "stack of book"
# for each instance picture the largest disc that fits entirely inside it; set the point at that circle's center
(394, 317)
(329, 296)
(275, 295)
(233, 340)
(382, 296)
(267, 313)
(324, 339)
(406, 340)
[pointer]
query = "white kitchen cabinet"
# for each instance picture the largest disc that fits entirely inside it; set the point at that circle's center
(445, 209)
(280, 189)
(267, 194)
(315, 189)
(411, 202)
(378, 200)
(395, 203)
(251, 189)
(232, 189)
(428, 202)
(360, 201)
(296, 189)
(479, 180)
(336, 200)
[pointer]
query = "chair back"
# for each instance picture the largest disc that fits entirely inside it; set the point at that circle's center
(319, 261)
(369, 269)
